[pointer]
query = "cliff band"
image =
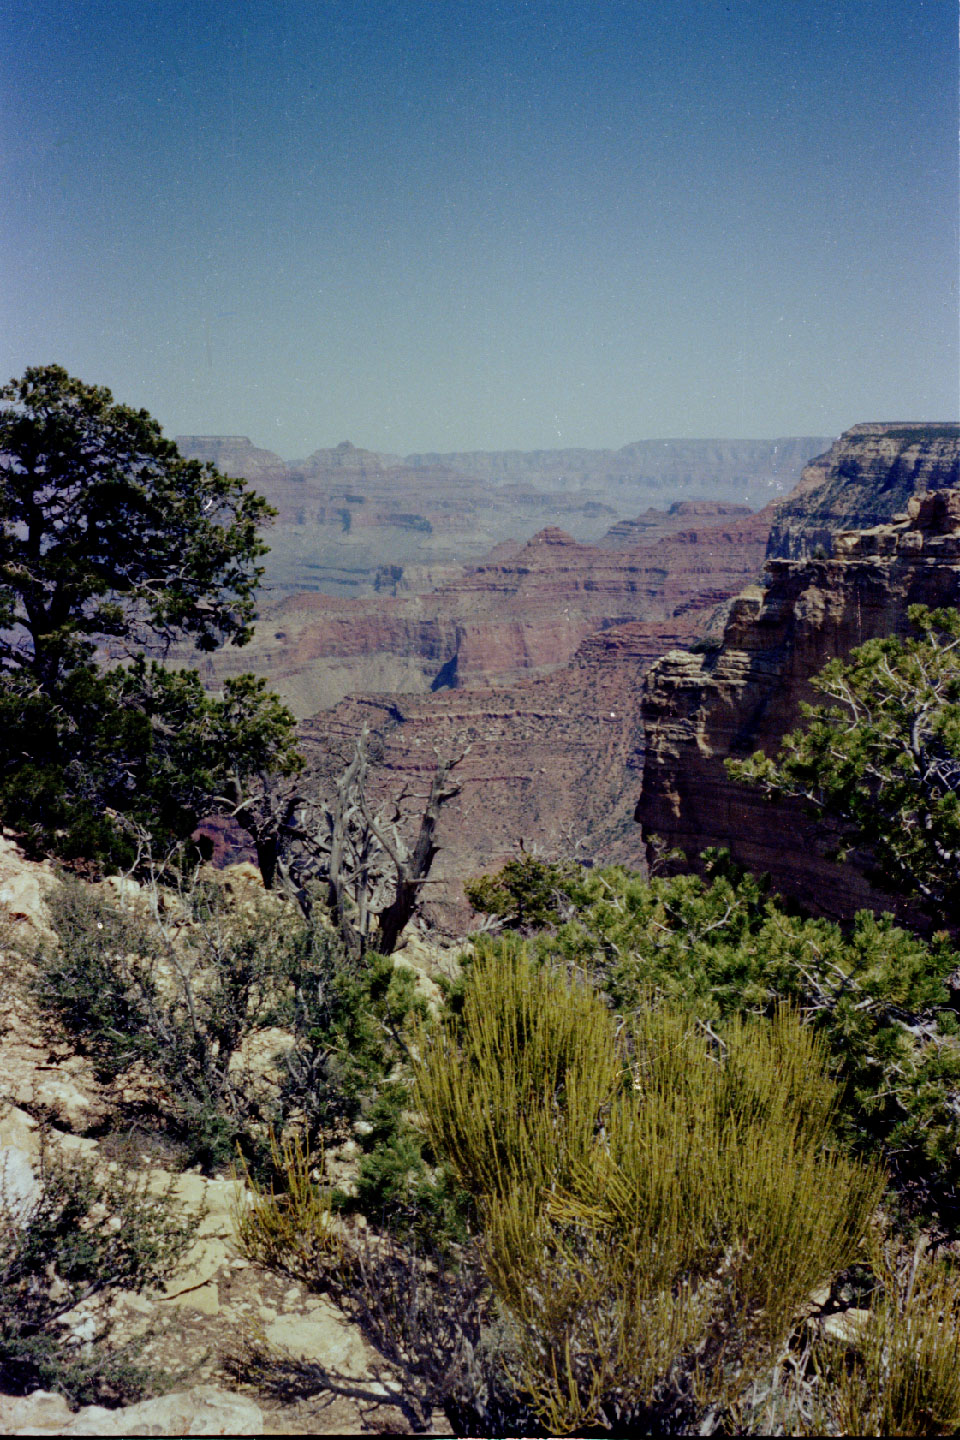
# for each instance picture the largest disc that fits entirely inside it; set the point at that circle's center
(700, 709)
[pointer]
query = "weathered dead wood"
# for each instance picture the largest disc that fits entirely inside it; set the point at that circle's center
(373, 880)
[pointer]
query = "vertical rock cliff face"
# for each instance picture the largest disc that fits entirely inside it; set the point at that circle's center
(700, 709)
(864, 479)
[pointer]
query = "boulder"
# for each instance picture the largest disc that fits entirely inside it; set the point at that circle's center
(204, 1410)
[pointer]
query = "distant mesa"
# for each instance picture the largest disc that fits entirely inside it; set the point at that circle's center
(344, 513)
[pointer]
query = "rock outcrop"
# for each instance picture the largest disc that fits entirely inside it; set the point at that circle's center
(864, 479)
(553, 757)
(515, 616)
(700, 709)
(654, 524)
(196, 1330)
(345, 513)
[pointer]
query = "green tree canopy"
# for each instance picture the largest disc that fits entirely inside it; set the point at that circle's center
(110, 539)
(107, 531)
(882, 758)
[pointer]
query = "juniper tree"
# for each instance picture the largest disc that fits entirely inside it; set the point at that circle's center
(111, 540)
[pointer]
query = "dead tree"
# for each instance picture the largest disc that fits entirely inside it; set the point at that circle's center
(373, 879)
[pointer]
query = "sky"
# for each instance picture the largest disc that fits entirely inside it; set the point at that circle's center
(433, 225)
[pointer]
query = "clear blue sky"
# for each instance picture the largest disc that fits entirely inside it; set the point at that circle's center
(453, 224)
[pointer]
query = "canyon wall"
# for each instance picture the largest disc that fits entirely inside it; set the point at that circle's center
(553, 758)
(517, 616)
(700, 709)
(864, 479)
(345, 513)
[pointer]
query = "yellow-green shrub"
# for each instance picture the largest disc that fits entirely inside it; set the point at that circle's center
(511, 1090)
(655, 1206)
(902, 1374)
(290, 1229)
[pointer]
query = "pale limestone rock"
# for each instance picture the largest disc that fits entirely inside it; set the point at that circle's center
(204, 1410)
(427, 988)
(19, 1129)
(19, 1186)
(23, 884)
(42, 1413)
(121, 888)
(325, 1338)
(846, 1327)
(203, 1298)
(259, 1058)
(34, 1077)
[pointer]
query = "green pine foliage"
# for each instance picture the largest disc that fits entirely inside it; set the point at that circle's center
(112, 542)
(882, 758)
(527, 893)
(878, 995)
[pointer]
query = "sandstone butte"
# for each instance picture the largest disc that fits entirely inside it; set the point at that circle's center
(700, 709)
(346, 513)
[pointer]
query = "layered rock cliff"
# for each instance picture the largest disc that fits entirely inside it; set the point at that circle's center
(516, 616)
(700, 709)
(864, 479)
(344, 512)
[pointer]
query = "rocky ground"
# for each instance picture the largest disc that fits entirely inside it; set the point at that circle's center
(199, 1328)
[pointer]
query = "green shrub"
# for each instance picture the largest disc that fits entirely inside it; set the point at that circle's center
(880, 760)
(176, 982)
(526, 893)
(878, 995)
(901, 1374)
(493, 1080)
(289, 1225)
(653, 1212)
(86, 1236)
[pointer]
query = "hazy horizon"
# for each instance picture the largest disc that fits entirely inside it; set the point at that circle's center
(507, 450)
(515, 226)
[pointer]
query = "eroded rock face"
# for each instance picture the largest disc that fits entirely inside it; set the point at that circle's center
(700, 709)
(514, 617)
(345, 514)
(553, 758)
(203, 1410)
(682, 515)
(864, 479)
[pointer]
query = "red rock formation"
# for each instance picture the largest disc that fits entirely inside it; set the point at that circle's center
(865, 478)
(553, 760)
(346, 512)
(518, 616)
(655, 524)
(700, 709)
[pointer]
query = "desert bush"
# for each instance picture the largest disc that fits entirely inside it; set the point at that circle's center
(86, 1236)
(427, 1308)
(879, 996)
(178, 989)
(175, 982)
(901, 1374)
(653, 1210)
(289, 1224)
(493, 1082)
(527, 893)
